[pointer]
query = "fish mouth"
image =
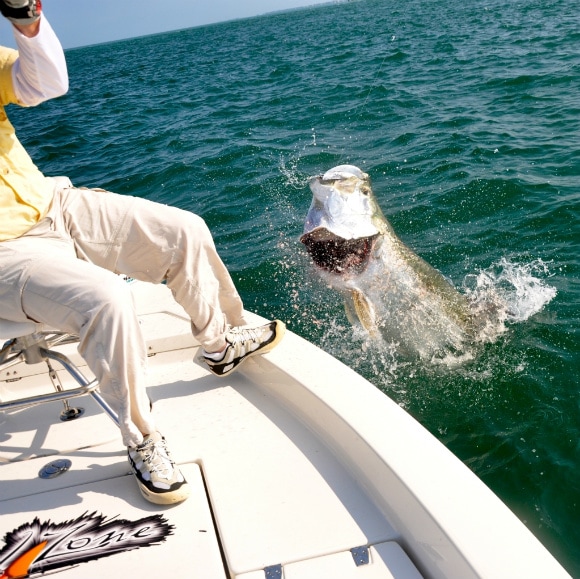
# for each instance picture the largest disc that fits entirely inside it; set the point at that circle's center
(336, 254)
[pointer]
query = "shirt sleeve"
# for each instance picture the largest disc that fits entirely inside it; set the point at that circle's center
(40, 71)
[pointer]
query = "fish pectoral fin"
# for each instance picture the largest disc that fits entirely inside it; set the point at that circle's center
(350, 312)
(364, 311)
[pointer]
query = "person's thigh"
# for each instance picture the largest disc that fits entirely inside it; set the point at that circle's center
(130, 235)
(42, 279)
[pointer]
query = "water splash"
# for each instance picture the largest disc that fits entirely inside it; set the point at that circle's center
(506, 293)
(288, 167)
(520, 286)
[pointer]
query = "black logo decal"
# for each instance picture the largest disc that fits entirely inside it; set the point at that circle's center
(39, 547)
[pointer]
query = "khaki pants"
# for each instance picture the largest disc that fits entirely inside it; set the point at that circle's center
(62, 273)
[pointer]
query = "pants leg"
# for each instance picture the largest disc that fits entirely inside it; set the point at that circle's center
(154, 242)
(57, 274)
(42, 279)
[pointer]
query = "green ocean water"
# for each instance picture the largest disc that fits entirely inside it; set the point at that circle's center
(465, 115)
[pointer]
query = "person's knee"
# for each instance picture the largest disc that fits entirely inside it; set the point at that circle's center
(195, 233)
(193, 223)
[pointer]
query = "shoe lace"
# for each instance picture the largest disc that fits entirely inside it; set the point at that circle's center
(157, 459)
(242, 341)
(238, 335)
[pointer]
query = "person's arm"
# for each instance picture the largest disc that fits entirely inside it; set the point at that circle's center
(29, 30)
(40, 71)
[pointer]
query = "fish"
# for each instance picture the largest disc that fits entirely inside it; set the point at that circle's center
(388, 290)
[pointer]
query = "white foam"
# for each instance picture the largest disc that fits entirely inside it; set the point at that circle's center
(520, 286)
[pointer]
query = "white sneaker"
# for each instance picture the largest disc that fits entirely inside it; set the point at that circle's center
(242, 343)
(159, 480)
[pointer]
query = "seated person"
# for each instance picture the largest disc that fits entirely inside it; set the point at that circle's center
(61, 249)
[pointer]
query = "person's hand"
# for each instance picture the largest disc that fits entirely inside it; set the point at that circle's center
(21, 12)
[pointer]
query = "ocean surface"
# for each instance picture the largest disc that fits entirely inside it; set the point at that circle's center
(466, 115)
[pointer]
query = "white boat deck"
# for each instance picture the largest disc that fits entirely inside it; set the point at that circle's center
(290, 475)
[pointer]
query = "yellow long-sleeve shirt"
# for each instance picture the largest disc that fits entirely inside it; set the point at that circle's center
(25, 193)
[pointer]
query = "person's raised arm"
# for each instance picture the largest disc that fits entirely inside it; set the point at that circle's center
(40, 71)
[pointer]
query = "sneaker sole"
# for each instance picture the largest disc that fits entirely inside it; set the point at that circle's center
(168, 498)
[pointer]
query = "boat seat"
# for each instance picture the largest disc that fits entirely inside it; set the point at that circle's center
(32, 343)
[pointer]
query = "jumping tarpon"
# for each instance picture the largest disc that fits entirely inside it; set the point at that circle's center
(389, 289)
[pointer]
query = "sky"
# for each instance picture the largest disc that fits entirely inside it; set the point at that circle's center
(85, 22)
